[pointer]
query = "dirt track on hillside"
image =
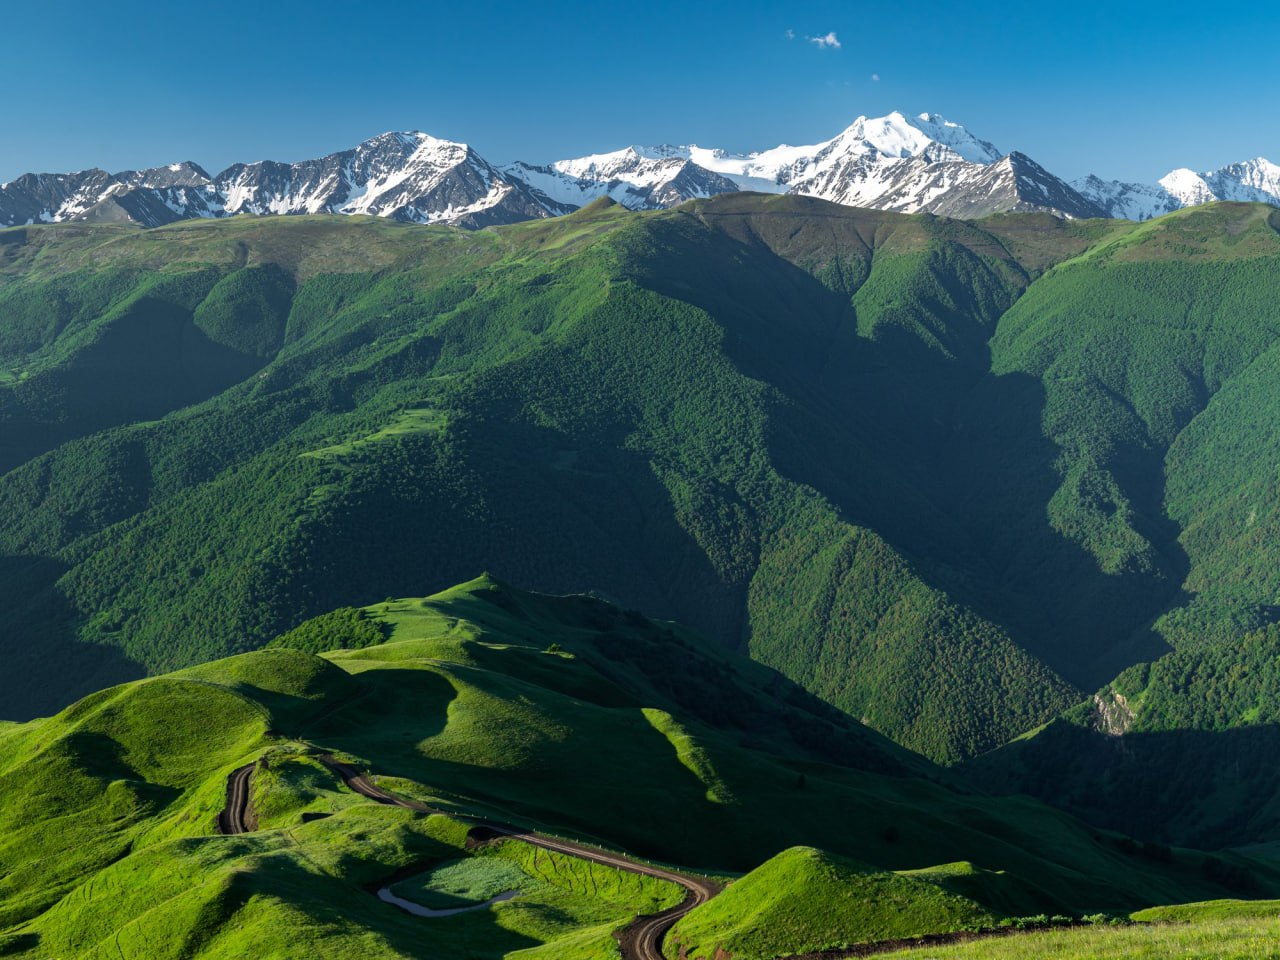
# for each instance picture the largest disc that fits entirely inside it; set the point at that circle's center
(640, 940)
(237, 815)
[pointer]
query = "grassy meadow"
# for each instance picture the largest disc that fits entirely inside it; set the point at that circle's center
(485, 700)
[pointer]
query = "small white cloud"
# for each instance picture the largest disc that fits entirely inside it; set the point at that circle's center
(789, 34)
(875, 78)
(829, 42)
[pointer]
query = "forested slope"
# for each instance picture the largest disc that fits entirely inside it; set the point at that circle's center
(949, 476)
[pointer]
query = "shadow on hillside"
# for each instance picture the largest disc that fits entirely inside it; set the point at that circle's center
(45, 669)
(537, 507)
(910, 435)
(631, 794)
(334, 908)
(408, 705)
(146, 363)
(103, 758)
(1197, 788)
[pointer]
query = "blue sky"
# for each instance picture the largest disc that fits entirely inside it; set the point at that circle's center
(1125, 90)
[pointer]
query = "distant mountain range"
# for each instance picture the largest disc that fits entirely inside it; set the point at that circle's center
(909, 164)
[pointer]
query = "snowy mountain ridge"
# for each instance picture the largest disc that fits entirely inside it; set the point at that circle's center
(910, 164)
(404, 176)
(895, 162)
(1252, 181)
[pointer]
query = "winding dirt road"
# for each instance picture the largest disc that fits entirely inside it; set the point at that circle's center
(641, 940)
(236, 816)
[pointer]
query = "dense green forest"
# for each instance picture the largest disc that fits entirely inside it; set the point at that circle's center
(1181, 750)
(950, 477)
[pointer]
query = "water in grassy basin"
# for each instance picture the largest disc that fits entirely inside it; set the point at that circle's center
(472, 883)
(418, 910)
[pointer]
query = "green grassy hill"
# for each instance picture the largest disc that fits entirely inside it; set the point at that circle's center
(805, 900)
(1217, 930)
(563, 713)
(950, 477)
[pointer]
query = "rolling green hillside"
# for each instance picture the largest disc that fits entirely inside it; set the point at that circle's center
(948, 476)
(1218, 930)
(564, 713)
(805, 900)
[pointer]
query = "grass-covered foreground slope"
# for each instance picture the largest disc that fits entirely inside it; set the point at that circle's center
(1217, 930)
(805, 900)
(948, 476)
(562, 713)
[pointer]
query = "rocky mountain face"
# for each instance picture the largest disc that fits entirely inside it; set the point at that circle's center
(1012, 183)
(908, 164)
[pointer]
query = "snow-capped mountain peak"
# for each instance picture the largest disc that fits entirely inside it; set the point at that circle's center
(895, 161)
(186, 174)
(1252, 181)
(953, 135)
(901, 162)
(858, 165)
(642, 178)
(402, 175)
(1187, 187)
(409, 176)
(893, 135)
(607, 166)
